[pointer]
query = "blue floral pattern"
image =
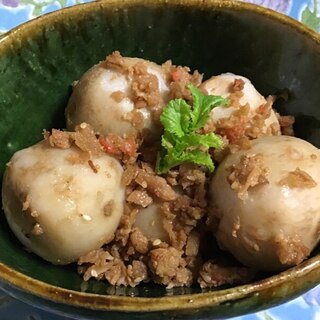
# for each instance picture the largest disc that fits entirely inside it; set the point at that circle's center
(283, 6)
(15, 12)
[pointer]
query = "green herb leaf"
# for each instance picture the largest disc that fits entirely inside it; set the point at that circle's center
(174, 158)
(181, 142)
(176, 117)
(202, 106)
(209, 140)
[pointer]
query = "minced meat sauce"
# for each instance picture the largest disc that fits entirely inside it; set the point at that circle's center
(178, 260)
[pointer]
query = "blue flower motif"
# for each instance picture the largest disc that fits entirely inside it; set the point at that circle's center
(283, 6)
(10, 3)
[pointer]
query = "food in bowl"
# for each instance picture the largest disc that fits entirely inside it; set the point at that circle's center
(162, 130)
(104, 91)
(267, 196)
(56, 204)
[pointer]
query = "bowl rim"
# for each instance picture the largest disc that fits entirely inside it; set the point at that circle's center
(153, 304)
(143, 304)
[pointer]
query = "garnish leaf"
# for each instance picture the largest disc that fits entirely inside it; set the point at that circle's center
(181, 141)
(176, 116)
(202, 106)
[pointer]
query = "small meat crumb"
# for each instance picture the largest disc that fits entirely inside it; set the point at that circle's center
(158, 186)
(290, 250)
(248, 173)
(135, 117)
(286, 125)
(107, 264)
(86, 139)
(108, 208)
(180, 78)
(37, 230)
(116, 62)
(140, 197)
(34, 214)
(213, 274)
(298, 179)
(238, 85)
(169, 267)
(118, 96)
(26, 203)
(139, 241)
(58, 139)
(136, 273)
(144, 87)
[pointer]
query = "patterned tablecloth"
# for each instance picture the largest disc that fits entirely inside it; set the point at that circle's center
(15, 12)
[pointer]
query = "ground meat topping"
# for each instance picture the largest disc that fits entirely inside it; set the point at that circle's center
(121, 148)
(286, 124)
(158, 186)
(58, 139)
(86, 140)
(137, 272)
(140, 197)
(173, 262)
(177, 258)
(242, 126)
(109, 265)
(139, 241)
(37, 230)
(118, 96)
(248, 173)
(169, 267)
(233, 127)
(298, 179)
(180, 78)
(144, 87)
(291, 251)
(145, 177)
(236, 93)
(26, 203)
(88, 144)
(214, 274)
(238, 85)
(116, 62)
(126, 222)
(135, 117)
(257, 124)
(129, 174)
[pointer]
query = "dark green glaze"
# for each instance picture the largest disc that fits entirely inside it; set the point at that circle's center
(39, 61)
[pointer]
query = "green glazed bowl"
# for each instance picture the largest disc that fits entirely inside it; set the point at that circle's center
(40, 59)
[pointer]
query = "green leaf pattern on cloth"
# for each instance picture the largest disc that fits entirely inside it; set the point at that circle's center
(39, 6)
(311, 17)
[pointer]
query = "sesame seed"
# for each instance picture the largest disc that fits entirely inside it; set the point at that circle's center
(156, 242)
(86, 217)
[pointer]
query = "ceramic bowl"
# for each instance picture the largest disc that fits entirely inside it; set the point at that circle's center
(40, 59)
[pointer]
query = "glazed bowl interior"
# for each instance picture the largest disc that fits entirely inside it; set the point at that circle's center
(40, 60)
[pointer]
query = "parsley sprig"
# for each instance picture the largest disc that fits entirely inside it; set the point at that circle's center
(181, 141)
